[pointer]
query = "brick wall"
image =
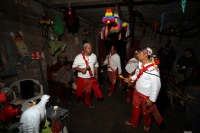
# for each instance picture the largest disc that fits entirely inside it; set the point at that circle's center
(15, 17)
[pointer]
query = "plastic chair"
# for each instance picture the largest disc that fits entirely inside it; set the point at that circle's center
(37, 95)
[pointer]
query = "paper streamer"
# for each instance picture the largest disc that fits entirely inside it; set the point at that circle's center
(183, 3)
(162, 19)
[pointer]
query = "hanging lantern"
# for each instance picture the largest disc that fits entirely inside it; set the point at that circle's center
(45, 23)
(108, 18)
(85, 32)
(69, 15)
(117, 28)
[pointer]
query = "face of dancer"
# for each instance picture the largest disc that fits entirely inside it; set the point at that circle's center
(112, 51)
(136, 55)
(88, 49)
(142, 56)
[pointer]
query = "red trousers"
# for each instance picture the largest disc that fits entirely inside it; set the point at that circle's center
(83, 92)
(129, 94)
(86, 97)
(112, 78)
(139, 107)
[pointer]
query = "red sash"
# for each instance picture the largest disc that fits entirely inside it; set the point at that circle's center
(154, 109)
(109, 63)
(95, 84)
(141, 72)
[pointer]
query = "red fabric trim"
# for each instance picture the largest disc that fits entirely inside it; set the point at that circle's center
(97, 92)
(86, 62)
(3, 97)
(95, 84)
(141, 72)
(80, 85)
(109, 63)
(129, 94)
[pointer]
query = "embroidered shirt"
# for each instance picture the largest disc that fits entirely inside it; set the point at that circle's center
(131, 65)
(149, 82)
(79, 61)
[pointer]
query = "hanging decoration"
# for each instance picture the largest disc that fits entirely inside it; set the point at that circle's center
(108, 18)
(127, 26)
(114, 25)
(183, 3)
(173, 30)
(58, 27)
(55, 46)
(162, 19)
(69, 15)
(117, 28)
(85, 33)
(38, 55)
(74, 28)
(22, 47)
(72, 21)
(45, 23)
(170, 11)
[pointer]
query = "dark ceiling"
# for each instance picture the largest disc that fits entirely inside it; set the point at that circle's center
(94, 10)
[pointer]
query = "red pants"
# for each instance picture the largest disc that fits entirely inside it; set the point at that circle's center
(138, 107)
(112, 78)
(83, 92)
(129, 94)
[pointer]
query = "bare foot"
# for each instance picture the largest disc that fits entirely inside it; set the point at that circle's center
(146, 128)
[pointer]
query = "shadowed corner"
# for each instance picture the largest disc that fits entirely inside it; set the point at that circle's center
(162, 126)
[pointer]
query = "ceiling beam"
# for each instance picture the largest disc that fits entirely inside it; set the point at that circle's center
(95, 4)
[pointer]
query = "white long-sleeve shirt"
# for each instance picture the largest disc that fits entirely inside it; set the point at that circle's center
(131, 65)
(92, 62)
(114, 62)
(149, 82)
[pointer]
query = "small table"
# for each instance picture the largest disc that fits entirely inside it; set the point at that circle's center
(64, 114)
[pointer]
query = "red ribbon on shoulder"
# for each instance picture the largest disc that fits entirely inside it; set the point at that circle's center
(141, 72)
(95, 85)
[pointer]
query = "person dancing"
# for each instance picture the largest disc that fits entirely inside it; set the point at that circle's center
(114, 66)
(148, 85)
(130, 68)
(87, 66)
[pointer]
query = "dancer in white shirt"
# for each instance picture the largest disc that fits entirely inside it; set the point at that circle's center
(87, 66)
(114, 67)
(130, 68)
(148, 85)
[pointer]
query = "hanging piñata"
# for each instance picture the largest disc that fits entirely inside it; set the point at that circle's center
(117, 28)
(108, 18)
(69, 15)
(45, 23)
(58, 27)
